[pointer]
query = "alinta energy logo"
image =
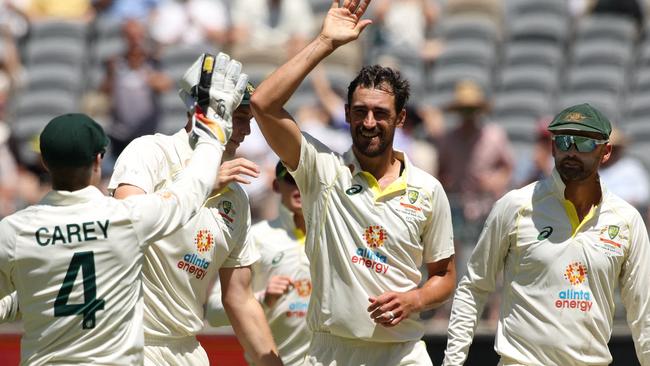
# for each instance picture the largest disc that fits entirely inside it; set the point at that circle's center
(299, 307)
(575, 297)
(375, 236)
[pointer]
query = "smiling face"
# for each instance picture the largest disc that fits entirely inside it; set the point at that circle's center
(575, 166)
(241, 127)
(373, 120)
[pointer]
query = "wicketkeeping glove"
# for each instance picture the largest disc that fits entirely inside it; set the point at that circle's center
(212, 88)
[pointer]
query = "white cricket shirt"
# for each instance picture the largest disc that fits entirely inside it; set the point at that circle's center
(362, 241)
(75, 261)
(282, 250)
(559, 279)
(179, 268)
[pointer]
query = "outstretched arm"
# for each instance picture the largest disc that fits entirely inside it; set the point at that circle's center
(342, 24)
(247, 317)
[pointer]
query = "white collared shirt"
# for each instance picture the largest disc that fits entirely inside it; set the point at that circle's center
(180, 268)
(75, 259)
(559, 278)
(363, 241)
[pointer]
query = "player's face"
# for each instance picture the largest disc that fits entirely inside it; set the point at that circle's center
(576, 166)
(289, 193)
(373, 119)
(241, 127)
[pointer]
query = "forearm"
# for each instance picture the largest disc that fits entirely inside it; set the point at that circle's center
(252, 330)
(435, 292)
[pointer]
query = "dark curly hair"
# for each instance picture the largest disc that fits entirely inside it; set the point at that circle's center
(384, 78)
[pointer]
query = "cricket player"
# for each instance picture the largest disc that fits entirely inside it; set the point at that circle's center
(74, 259)
(564, 244)
(180, 268)
(373, 219)
(281, 279)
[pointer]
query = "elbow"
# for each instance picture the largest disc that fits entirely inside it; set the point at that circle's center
(258, 104)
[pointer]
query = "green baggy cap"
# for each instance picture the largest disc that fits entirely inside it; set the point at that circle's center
(250, 89)
(280, 170)
(72, 139)
(581, 117)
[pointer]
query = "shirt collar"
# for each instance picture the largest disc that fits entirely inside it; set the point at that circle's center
(67, 198)
(405, 180)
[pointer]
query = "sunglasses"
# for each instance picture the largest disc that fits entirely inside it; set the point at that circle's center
(582, 144)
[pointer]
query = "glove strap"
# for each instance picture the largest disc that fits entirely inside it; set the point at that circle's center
(212, 125)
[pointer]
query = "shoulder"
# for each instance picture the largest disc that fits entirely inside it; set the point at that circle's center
(621, 207)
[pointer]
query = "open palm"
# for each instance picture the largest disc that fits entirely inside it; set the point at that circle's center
(342, 23)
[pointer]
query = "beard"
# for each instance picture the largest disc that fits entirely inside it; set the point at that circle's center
(573, 170)
(367, 147)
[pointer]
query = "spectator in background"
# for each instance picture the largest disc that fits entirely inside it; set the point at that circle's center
(627, 8)
(270, 30)
(475, 164)
(133, 84)
(408, 36)
(491, 8)
(540, 164)
(190, 22)
(624, 175)
(13, 15)
(78, 10)
(126, 9)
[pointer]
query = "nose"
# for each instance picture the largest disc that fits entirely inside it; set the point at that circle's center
(369, 122)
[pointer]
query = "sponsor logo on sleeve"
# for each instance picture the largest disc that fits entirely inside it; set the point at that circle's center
(575, 297)
(355, 189)
(545, 233)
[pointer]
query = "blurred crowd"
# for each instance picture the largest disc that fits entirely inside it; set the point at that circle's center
(130, 85)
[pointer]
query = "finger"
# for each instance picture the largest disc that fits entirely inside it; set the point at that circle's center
(362, 25)
(250, 171)
(351, 5)
(361, 9)
(232, 74)
(240, 87)
(335, 4)
(220, 67)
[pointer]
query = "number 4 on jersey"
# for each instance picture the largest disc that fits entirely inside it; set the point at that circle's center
(85, 261)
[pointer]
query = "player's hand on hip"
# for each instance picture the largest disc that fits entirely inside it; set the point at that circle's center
(390, 308)
(343, 23)
(236, 170)
(276, 288)
(216, 87)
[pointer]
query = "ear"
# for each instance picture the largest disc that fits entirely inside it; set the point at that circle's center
(44, 164)
(347, 113)
(97, 164)
(607, 153)
(276, 186)
(401, 118)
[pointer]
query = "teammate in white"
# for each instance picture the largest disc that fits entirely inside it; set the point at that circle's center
(281, 279)
(180, 268)
(74, 259)
(373, 219)
(564, 244)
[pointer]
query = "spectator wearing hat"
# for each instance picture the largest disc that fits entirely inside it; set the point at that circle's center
(624, 174)
(475, 162)
(563, 244)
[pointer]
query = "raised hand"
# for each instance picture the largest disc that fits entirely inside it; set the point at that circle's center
(343, 23)
(214, 87)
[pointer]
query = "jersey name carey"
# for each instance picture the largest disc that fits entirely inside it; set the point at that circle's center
(72, 233)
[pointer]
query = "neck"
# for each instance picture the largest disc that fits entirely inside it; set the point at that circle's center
(299, 221)
(584, 195)
(381, 166)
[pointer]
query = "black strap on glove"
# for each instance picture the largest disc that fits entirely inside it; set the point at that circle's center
(201, 91)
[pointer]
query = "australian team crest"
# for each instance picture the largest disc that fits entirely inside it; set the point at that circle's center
(227, 206)
(413, 196)
(612, 231)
